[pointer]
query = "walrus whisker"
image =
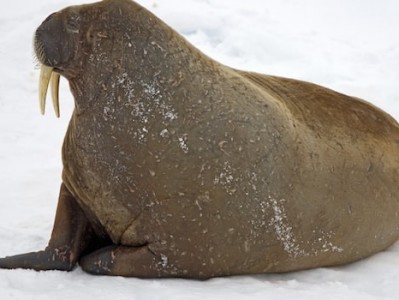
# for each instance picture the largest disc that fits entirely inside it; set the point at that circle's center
(38, 50)
(34, 53)
(35, 61)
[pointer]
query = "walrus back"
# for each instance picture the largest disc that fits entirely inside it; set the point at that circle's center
(320, 108)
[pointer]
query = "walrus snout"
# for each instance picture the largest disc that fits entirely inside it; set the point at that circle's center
(48, 47)
(48, 42)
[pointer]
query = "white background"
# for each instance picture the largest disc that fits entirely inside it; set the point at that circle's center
(348, 45)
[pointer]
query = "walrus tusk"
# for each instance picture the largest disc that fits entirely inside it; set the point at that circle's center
(55, 84)
(46, 76)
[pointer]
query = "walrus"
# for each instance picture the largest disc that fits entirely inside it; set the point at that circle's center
(175, 165)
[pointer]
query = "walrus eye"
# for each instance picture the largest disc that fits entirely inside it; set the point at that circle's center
(72, 23)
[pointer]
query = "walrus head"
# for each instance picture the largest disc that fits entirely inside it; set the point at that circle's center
(86, 39)
(56, 47)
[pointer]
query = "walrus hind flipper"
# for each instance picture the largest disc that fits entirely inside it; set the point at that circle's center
(125, 261)
(71, 237)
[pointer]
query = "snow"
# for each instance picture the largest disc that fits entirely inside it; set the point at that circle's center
(350, 46)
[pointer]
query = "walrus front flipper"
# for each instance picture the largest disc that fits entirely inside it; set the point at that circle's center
(41, 260)
(125, 261)
(71, 236)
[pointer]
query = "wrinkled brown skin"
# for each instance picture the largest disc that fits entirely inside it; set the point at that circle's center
(178, 166)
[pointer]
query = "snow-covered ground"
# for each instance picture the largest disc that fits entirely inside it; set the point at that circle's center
(348, 45)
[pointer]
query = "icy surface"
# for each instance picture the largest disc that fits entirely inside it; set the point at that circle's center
(351, 46)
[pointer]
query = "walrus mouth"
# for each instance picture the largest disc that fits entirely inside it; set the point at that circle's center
(48, 76)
